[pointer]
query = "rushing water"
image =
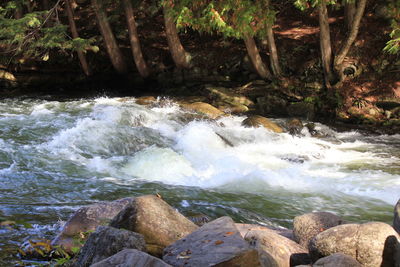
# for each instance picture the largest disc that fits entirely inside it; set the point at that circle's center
(58, 156)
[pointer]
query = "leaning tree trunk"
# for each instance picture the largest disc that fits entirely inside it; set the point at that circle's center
(325, 43)
(273, 52)
(349, 13)
(176, 49)
(134, 39)
(351, 37)
(114, 52)
(255, 58)
(74, 31)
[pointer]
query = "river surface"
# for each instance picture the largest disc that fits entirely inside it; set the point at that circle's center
(58, 156)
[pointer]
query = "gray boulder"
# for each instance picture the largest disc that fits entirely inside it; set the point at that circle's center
(396, 220)
(131, 258)
(337, 260)
(307, 226)
(107, 241)
(159, 223)
(87, 219)
(371, 244)
(217, 243)
(245, 228)
(277, 250)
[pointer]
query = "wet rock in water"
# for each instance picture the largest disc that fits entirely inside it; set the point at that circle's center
(107, 241)
(337, 260)
(396, 220)
(217, 243)
(131, 258)
(276, 249)
(295, 126)
(372, 244)
(199, 219)
(204, 109)
(307, 226)
(36, 249)
(87, 219)
(257, 121)
(244, 228)
(272, 105)
(158, 222)
(228, 96)
(300, 159)
(145, 100)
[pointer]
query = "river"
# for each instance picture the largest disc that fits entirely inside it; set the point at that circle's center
(57, 156)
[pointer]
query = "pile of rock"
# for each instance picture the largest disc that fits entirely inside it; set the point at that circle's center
(146, 231)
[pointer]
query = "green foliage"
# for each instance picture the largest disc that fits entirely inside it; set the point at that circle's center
(393, 46)
(32, 36)
(231, 18)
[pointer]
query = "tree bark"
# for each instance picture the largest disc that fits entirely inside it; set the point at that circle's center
(74, 31)
(255, 58)
(349, 13)
(352, 35)
(134, 39)
(110, 42)
(176, 49)
(325, 43)
(273, 52)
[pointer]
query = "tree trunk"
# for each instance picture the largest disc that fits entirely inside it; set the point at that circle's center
(176, 49)
(74, 31)
(273, 52)
(110, 42)
(349, 13)
(325, 43)
(134, 39)
(255, 58)
(352, 35)
(18, 13)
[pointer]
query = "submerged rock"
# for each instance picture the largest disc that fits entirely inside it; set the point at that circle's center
(277, 250)
(146, 100)
(295, 126)
(107, 241)
(86, 219)
(337, 260)
(204, 109)
(259, 121)
(307, 226)
(131, 258)
(372, 244)
(217, 243)
(158, 222)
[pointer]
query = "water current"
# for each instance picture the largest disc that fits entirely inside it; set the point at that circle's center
(57, 156)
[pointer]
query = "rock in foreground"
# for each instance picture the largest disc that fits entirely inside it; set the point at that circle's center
(337, 260)
(307, 226)
(396, 220)
(158, 222)
(107, 241)
(87, 219)
(131, 258)
(371, 244)
(259, 121)
(215, 243)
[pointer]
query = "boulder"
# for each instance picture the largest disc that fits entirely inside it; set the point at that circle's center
(277, 249)
(396, 220)
(107, 241)
(272, 105)
(131, 258)
(204, 109)
(244, 228)
(228, 96)
(158, 222)
(337, 260)
(217, 243)
(294, 126)
(307, 226)
(87, 219)
(145, 100)
(371, 244)
(259, 121)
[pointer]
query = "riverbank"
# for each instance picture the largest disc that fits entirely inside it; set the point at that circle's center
(123, 231)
